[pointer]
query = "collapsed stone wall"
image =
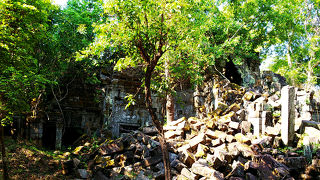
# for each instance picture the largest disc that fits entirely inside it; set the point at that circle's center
(120, 119)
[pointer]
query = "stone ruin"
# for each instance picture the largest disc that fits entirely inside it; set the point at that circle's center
(81, 114)
(244, 136)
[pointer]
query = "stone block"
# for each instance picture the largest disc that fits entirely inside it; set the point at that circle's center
(111, 148)
(151, 130)
(234, 125)
(187, 157)
(215, 134)
(173, 134)
(273, 131)
(257, 125)
(176, 122)
(241, 114)
(201, 150)
(152, 160)
(245, 150)
(306, 116)
(83, 173)
(188, 174)
(223, 155)
(295, 162)
(178, 165)
(305, 124)
(200, 138)
(214, 161)
(237, 170)
(245, 127)
(206, 171)
(287, 114)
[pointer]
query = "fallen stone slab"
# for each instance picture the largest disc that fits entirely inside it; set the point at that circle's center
(206, 171)
(189, 175)
(152, 160)
(200, 138)
(150, 130)
(111, 148)
(187, 157)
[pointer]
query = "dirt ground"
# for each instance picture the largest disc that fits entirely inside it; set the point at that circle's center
(27, 161)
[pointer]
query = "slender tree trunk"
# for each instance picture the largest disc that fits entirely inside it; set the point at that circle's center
(170, 100)
(170, 108)
(156, 122)
(3, 152)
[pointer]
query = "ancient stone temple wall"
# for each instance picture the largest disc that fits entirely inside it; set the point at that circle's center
(120, 119)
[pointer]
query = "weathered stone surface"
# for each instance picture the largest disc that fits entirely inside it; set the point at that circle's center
(245, 150)
(184, 147)
(214, 161)
(215, 134)
(313, 136)
(172, 134)
(187, 157)
(241, 115)
(273, 131)
(113, 147)
(306, 123)
(242, 139)
(150, 130)
(188, 174)
(245, 127)
(200, 138)
(216, 142)
(176, 122)
(287, 114)
(230, 138)
(250, 176)
(152, 160)
(206, 171)
(83, 173)
(201, 150)
(295, 162)
(234, 125)
(237, 170)
(178, 165)
(233, 148)
(223, 155)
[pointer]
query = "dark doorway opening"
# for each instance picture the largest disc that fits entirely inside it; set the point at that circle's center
(49, 135)
(70, 135)
(232, 73)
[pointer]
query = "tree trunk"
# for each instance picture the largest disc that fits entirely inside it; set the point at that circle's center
(156, 122)
(3, 152)
(170, 100)
(170, 108)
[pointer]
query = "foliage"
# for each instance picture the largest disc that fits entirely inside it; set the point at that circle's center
(178, 26)
(295, 29)
(22, 32)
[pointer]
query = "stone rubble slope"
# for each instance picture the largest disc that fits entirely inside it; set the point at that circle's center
(223, 144)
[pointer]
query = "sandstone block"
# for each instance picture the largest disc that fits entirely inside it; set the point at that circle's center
(200, 138)
(234, 125)
(187, 157)
(214, 161)
(206, 171)
(245, 127)
(188, 174)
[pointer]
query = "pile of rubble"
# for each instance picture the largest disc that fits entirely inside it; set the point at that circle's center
(240, 139)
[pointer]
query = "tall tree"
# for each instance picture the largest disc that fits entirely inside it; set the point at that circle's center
(148, 31)
(295, 27)
(23, 26)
